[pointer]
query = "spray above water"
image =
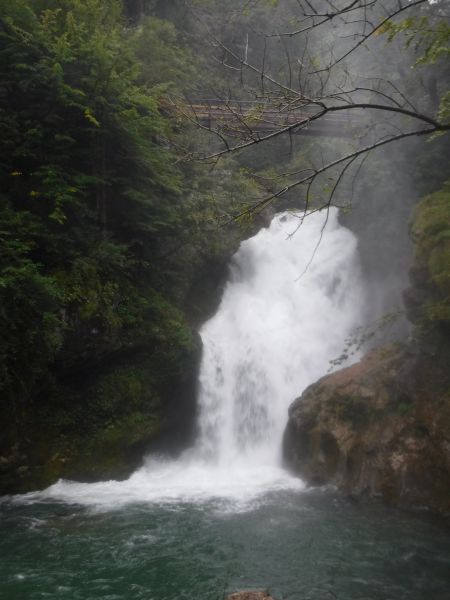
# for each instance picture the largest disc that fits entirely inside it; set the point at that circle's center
(273, 334)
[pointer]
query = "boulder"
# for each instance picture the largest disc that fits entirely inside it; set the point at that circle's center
(377, 429)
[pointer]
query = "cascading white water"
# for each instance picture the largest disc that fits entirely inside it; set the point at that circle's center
(284, 315)
(289, 306)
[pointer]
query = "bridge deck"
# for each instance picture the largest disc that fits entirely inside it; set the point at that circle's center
(248, 116)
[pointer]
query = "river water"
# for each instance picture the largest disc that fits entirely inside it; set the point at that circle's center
(226, 515)
(301, 545)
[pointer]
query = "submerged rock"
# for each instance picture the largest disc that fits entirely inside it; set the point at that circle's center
(380, 428)
(250, 595)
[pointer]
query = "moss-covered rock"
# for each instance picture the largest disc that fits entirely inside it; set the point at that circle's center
(379, 429)
(428, 300)
(101, 411)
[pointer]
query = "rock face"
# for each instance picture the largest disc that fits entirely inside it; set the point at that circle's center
(377, 429)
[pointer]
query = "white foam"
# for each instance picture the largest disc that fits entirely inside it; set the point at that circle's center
(174, 482)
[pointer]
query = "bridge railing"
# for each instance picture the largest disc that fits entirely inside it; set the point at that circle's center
(268, 112)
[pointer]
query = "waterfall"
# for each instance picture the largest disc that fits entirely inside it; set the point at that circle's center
(286, 311)
(293, 297)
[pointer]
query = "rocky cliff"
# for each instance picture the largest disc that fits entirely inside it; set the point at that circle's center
(381, 428)
(377, 429)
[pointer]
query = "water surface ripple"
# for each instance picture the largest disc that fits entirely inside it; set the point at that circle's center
(301, 545)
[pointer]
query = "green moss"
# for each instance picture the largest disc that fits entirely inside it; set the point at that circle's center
(101, 399)
(122, 392)
(354, 410)
(110, 452)
(431, 232)
(110, 449)
(403, 408)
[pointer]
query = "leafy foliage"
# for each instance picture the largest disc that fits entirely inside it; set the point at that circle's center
(90, 194)
(431, 42)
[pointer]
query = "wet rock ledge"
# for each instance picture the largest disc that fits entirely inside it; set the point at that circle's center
(377, 429)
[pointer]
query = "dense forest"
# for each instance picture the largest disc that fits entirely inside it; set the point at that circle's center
(93, 211)
(116, 227)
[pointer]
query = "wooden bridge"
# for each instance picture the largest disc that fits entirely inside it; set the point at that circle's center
(245, 117)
